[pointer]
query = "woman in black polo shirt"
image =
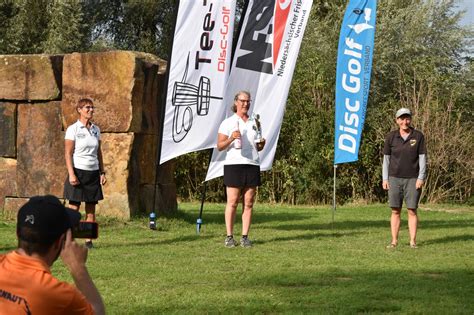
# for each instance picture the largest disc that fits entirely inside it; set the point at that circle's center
(404, 173)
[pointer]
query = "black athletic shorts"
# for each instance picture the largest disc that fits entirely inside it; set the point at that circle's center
(89, 189)
(242, 175)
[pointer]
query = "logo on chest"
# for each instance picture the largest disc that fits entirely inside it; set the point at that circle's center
(412, 142)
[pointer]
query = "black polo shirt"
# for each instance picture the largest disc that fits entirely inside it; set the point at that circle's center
(404, 153)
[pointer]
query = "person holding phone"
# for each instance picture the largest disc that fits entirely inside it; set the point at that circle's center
(237, 135)
(84, 162)
(27, 285)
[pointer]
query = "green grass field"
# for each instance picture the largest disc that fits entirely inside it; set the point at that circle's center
(301, 263)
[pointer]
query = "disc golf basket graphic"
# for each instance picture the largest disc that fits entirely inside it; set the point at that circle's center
(185, 96)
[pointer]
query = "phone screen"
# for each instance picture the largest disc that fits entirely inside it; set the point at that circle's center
(86, 230)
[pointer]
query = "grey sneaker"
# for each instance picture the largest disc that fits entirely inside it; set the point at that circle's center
(245, 242)
(230, 242)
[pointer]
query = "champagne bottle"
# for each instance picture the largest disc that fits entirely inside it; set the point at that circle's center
(237, 141)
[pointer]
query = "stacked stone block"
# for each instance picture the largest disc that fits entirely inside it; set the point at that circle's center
(38, 94)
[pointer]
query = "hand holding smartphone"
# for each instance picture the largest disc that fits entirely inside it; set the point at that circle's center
(86, 229)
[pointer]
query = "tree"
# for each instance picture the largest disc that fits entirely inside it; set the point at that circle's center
(26, 27)
(132, 25)
(7, 11)
(65, 31)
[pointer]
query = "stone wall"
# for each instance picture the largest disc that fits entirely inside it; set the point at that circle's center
(38, 94)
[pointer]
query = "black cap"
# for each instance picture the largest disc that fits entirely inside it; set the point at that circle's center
(44, 219)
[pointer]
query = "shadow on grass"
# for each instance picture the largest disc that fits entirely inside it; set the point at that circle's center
(218, 218)
(356, 225)
(308, 236)
(344, 225)
(288, 217)
(432, 224)
(366, 292)
(154, 241)
(337, 291)
(450, 239)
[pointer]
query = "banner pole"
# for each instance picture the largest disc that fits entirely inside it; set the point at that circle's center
(164, 95)
(199, 219)
(334, 194)
(203, 197)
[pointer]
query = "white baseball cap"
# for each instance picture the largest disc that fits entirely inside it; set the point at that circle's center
(403, 111)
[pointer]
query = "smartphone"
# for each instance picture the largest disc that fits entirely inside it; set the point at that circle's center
(86, 230)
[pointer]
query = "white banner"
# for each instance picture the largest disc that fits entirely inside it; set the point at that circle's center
(263, 64)
(200, 63)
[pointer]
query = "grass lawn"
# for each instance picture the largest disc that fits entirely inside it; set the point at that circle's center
(302, 262)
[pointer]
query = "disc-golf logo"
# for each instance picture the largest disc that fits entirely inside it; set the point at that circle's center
(263, 35)
(360, 27)
(186, 96)
(30, 219)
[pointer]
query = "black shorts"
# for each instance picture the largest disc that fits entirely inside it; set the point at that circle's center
(89, 189)
(242, 175)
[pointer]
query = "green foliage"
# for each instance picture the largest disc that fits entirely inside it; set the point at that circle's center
(422, 60)
(431, 81)
(64, 26)
(7, 11)
(135, 25)
(419, 62)
(64, 33)
(26, 26)
(190, 179)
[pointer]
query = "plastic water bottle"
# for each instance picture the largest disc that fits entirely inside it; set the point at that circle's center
(237, 141)
(152, 221)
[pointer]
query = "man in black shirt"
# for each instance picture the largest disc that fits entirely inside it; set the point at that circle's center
(404, 173)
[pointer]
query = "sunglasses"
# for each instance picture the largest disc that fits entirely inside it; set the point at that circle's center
(88, 107)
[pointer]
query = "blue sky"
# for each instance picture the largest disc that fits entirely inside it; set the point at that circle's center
(469, 15)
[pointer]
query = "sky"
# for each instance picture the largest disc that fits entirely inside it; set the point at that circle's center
(469, 15)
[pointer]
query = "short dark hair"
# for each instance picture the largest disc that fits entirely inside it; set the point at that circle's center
(83, 102)
(30, 248)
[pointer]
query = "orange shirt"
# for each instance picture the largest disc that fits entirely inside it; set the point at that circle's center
(28, 287)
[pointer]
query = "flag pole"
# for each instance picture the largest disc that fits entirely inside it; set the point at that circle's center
(203, 198)
(199, 219)
(334, 194)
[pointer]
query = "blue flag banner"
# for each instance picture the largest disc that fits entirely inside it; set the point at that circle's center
(354, 65)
